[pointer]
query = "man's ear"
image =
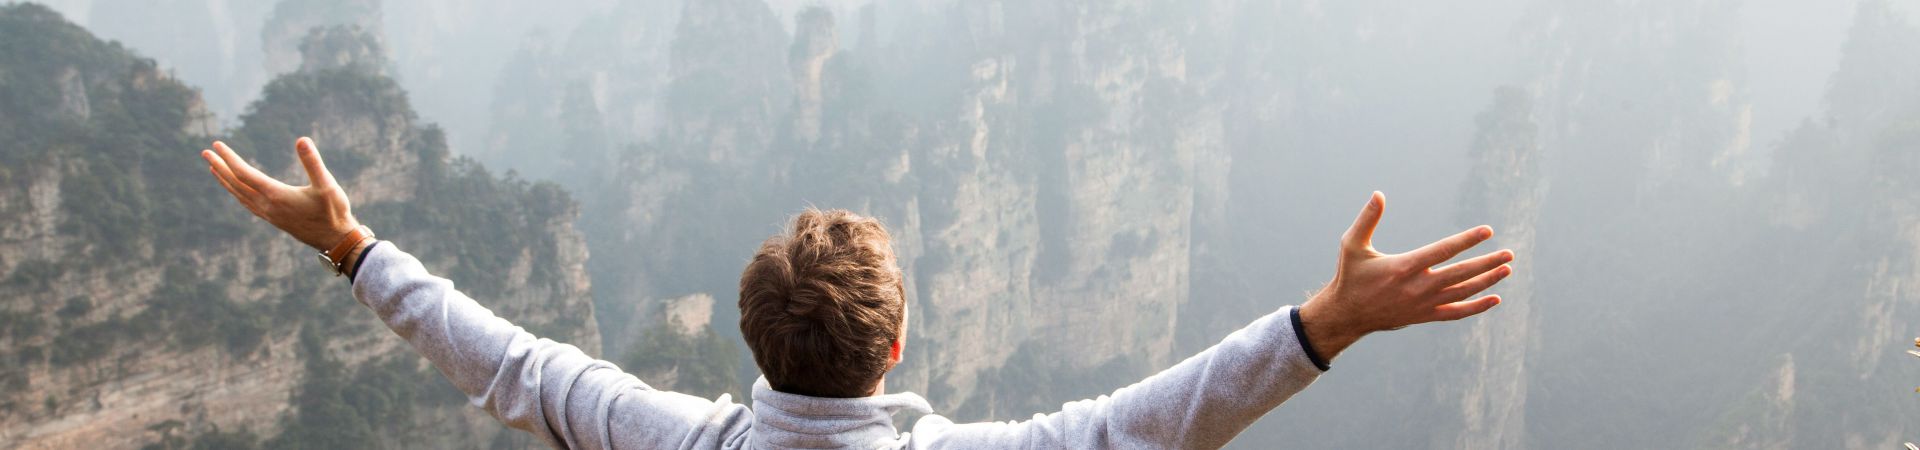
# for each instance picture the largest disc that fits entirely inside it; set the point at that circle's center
(895, 357)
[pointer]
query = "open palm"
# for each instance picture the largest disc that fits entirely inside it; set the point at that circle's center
(1373, 291)
(317, 214)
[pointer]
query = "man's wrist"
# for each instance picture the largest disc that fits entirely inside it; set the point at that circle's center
(350, 265)
(353, 256)
(345, 249)
(343, 233)
(1326, 333)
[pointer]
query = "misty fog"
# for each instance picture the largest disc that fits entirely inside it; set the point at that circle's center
(1715, 204)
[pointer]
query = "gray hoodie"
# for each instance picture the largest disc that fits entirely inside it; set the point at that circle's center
(570, 400)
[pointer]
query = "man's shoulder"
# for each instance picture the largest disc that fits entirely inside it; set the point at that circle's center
(640, 416)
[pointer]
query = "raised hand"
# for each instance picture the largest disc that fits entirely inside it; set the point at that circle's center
(1373, 291)
(317, 214)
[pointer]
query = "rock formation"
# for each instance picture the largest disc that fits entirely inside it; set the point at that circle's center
(141, 305)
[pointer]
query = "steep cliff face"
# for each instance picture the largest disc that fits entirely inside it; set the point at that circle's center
(1841, 204)
(1886, 111)
(1627, 151)
(141, 306)
(1770, 294)
(1504, 189)
(1057, 188)
(579, 92)
(1039, 193)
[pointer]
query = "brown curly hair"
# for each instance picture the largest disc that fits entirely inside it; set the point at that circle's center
(822, 305)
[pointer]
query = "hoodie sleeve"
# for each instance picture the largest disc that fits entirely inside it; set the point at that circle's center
(552, 390)
(1202, 402)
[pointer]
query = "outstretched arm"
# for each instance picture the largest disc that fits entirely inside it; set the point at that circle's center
(1205, 401)
(552, 390)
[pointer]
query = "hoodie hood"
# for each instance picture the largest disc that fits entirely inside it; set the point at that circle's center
(783, 420)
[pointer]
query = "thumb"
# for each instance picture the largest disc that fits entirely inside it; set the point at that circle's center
(317, 174)
(1360, 236)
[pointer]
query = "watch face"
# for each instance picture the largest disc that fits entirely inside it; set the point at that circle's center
(328, 262)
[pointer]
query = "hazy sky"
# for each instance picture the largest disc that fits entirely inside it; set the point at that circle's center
(1791, 46)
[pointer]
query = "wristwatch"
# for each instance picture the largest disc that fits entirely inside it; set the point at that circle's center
(336, 258)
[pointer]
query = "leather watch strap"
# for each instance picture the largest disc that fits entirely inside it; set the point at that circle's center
(337, 256)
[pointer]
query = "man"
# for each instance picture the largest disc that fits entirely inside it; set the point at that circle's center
(824, 311)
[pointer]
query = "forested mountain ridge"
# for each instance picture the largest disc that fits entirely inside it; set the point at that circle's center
(141, 306)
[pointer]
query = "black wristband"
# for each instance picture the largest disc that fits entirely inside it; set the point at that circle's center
(1300, 334)
(357, 259)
